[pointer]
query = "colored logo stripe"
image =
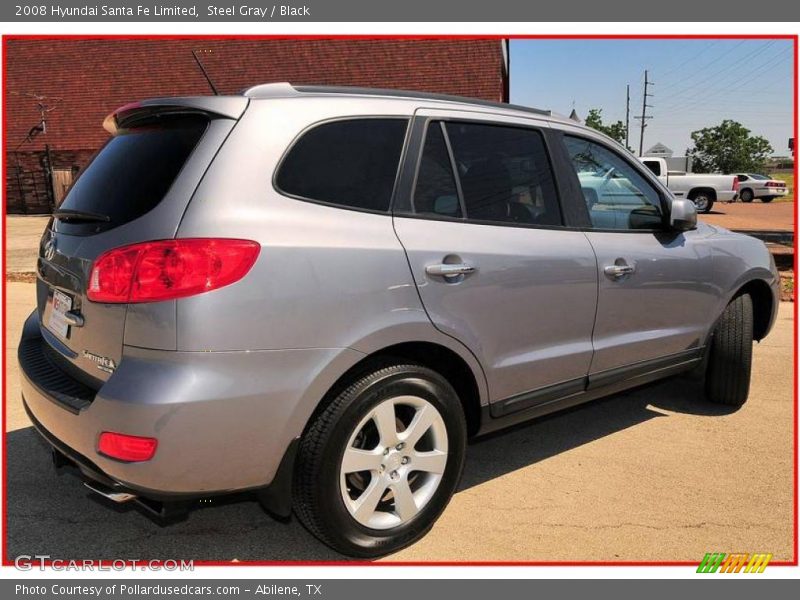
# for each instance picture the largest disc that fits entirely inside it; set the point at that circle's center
(734, 563)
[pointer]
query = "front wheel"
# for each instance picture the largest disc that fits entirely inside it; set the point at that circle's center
(730, 354)
(703, 202)
(379, 464)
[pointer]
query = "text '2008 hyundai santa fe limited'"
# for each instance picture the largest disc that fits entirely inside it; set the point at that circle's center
(320, 294)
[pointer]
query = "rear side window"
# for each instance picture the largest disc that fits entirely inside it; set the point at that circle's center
(505, 174)
(131, 174)
(347, 163)
(436, 192)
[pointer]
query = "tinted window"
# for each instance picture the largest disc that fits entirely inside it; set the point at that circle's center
(616, 194)
(505, 175)
(435, 192)
(349, 163)
(132, 173)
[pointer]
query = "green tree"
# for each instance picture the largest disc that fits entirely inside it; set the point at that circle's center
(728, 148)
(615, 131)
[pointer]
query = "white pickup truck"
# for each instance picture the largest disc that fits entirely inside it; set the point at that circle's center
(703, 189)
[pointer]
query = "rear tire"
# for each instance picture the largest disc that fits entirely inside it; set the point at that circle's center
(730, 354)
(381, 418)
(746, 196)
(768, 199)
(703, 201)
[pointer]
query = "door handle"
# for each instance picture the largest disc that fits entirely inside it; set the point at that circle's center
(445, 270)
(617, 271)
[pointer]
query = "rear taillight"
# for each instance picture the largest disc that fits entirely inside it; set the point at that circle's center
(130, 448)
(775, 184)
(735, 184)
(169, 269)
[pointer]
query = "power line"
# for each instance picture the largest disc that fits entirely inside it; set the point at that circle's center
(700, 68)
(762, 68)
(711, 78)
(692, 57)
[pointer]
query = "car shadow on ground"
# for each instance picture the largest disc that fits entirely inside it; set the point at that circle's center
(53, 514)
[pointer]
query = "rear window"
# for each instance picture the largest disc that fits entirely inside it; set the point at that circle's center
(131, 174)
(654, 166)
(349, 163)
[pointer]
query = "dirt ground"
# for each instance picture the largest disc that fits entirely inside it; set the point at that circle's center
(775, 216)
(655, 474)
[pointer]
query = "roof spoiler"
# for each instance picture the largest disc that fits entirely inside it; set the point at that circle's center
(227, 107)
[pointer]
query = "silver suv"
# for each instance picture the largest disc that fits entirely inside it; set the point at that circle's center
(321, 294)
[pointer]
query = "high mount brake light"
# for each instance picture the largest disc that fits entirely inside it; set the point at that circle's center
(169, 269)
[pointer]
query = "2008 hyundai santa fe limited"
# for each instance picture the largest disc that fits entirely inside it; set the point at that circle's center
(320, 294)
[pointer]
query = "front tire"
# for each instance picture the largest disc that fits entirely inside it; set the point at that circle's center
(379, 464)
(746, 196)
(730, 354)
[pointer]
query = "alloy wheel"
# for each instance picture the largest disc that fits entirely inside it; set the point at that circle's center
(393, 462)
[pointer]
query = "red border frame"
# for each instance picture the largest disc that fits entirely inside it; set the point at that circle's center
(107, 563)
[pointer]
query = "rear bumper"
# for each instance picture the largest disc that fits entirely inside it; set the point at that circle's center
(727, 196)
(224, 420)
(771, 192)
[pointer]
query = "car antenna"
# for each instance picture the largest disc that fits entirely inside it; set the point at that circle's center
(205, 73)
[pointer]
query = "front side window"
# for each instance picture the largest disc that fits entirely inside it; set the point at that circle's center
(617, 196)
(349, 163)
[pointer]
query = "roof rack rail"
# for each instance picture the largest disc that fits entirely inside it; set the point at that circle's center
(283, 90)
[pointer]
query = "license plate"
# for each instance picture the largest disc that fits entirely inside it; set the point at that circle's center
(57, 323)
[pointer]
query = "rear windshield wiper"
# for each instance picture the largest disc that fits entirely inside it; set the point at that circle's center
(68, 214)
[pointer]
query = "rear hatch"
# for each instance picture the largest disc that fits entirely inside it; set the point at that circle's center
(135, 189)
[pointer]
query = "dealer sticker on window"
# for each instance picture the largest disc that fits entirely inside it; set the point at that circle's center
(57, 323)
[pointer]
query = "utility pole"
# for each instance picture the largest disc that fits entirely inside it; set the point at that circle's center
(627, 115)
(45, 106)
(644, 116)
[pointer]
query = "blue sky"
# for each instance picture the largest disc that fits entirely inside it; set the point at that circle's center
(698, 83)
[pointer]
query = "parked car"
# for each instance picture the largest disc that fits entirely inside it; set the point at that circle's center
(753, 185)
(320, 294)
(702, 189)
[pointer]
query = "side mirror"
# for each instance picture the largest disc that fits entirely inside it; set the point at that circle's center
(682, 215)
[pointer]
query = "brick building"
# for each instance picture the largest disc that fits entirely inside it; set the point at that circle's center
(84, 80)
